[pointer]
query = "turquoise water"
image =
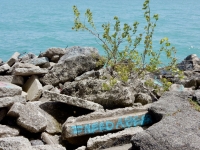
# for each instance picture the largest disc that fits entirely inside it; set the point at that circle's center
(36, 25)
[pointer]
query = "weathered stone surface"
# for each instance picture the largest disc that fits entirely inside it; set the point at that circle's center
(50, 139)
(13, 59)
(6, 131)
(9, 101)
(51, 53)
(178, 126)
(29, 71)
(18, 80)
(8, 89)
(99, 122)
(4, 68)
(27, 57)
(36, 142)
(47, 87)
(49, 147)
(48, 65)
(37, 61)
(6, 78)
(81, 148)
(88, 74)
(143, 98)
(28, 117)
(76, 61)
(34, 88)
(112, 139)
(92, 90)
(15, 143)
(71, 100)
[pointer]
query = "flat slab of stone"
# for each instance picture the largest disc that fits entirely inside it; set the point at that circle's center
(112, 139)
(15, 143)
(28, 117)
(18, 80)
(49, 147)
(8, 89)
(9, 101)
(6, 131)
(177, 126)
(29, 71)
(99, 122)
(72, 100)
(33, 88)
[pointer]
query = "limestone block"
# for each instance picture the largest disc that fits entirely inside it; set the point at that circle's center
(49, 147)
(9, 101)
(34, 88)
(28, 117)
(50, 139)
(8, 89)
(112, 139)
(38, 61)
(18, 80)
(111, 120)
(29, 71)
(71, 100)
(4, 68)
(15, 143)
(13, 59)
(6, 131)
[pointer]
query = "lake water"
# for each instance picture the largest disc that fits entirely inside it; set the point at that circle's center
(36, 25)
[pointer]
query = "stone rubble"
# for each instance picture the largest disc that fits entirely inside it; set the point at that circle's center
(56, 101)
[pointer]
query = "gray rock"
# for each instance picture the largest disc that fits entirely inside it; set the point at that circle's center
(6, 131)
(48, 87)
(49, 147)
(8, 89)
(3, 113)
(36, 142)
(92, 90)
(27, 57)
(6, 78)
(34, 88)
(9, 101)
(112, 139)
(53, 53)
(18, 80)
(87, 75)
(4, 68)
(13, 59)
(37, 61)
(29, 71)
(15, 143)
(50, 139)
(143, 98)
(75, 62)
(28, 117)
(72, 100)
(177, 127)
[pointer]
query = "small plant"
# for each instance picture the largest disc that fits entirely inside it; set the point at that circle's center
(195, 105)
(129, 61)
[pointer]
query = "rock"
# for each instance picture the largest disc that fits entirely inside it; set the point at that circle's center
(18, 80)
(49, 139)
(13, 59)
(191, 62)
(55, 90)
(143, 98)
(15, 143)
(8, 89)
(176, 87)
(36, 142)
(4, 68)
(87, 75)
(29, 71)
(112, 139)
(177, 126)
(81, 148)
(75, 62)
(28, 117)
(24, 95)
(55, 58)
(71, 100)
(27, 57)
(49, 147)
(52, 53)
(6, 131)
(47, 87)
(100, 122)
(9, 101)
(34, 88)
(48, 65)
(197, 96)
(37, 61)
(92, 89)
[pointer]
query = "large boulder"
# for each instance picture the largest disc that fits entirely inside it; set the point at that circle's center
(75, 62)
(92, 89)
(177, 127)
(8, 89)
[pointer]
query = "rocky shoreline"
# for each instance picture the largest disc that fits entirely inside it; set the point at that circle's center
(55, 101)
